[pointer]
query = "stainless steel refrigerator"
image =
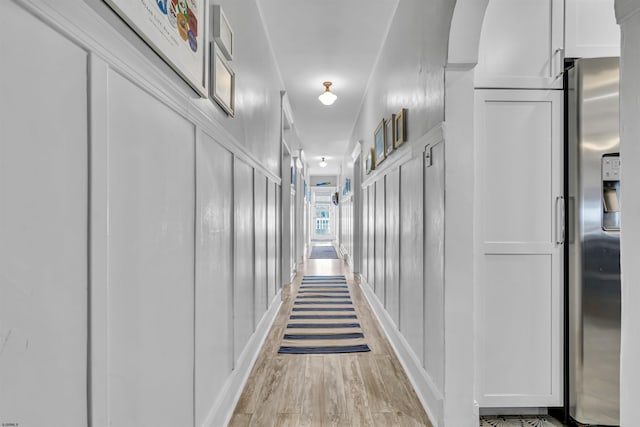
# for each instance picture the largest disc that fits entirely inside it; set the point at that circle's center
(594, 241)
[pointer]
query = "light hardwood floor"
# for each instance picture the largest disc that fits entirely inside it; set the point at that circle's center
(358, 389)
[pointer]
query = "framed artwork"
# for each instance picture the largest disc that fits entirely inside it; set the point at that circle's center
(370, 162)
(222, 32)
(223, 81)
(175, 30)
(293, 175)
(380, 142)
(389, 133)
(400, 128)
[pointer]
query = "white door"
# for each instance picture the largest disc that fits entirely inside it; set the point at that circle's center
(322, 215)
(521, 45)
(519, 136)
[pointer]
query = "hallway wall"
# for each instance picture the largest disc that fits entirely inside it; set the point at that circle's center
(138, 223)
(396, 247)
(628, 16)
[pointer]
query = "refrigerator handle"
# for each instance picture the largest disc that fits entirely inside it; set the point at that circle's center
(559, 54)
(560, 220)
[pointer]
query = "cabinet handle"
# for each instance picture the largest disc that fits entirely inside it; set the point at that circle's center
(560, 220)
(559, 53)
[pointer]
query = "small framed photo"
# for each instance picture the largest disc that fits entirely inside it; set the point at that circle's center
(222, 32)
(389, 133)
(370, 162)
(223, 81)
(380, 142)
(400, 128)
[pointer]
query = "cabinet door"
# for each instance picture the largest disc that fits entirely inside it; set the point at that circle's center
(519, 135)
(591, 30)
(521, 45)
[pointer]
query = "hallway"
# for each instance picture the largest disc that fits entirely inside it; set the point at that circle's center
(328, 390)
(164, 164)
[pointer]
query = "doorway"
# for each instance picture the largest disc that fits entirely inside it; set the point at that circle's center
(323, 221)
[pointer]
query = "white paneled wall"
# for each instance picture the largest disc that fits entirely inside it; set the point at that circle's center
(392, 245)
(151, 190)
(214, 272)
(346, 227)
(379, 233)
(43, 225)
(434, 228)
(243, 287)
(139, 225)
(411, 250)
(403, 239)
(260, 256)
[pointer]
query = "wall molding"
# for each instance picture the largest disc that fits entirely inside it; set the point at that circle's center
(431, 398)
(406, 153)
(129, 63)
(626, 9)
(223, 408)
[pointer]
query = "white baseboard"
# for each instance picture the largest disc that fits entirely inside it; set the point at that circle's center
(431, 398)
(223, 408)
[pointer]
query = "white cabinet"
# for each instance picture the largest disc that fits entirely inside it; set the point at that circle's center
(519, 136)
(591, 29)
(521, 45)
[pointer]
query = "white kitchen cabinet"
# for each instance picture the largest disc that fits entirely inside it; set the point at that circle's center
(521, 45)
(591, 30)
(519, 136)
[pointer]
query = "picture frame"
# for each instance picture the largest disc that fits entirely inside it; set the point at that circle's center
(389, 132)
(223, 81)
(175, 30)
(380, 142)
(293, 175)
(370, 162)
(222, 33)
(400, 128)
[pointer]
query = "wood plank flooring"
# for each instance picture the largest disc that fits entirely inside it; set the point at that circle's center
(356, 389)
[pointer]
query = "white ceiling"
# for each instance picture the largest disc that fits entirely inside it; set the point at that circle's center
(319, 40)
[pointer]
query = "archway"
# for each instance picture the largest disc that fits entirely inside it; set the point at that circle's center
(463, 49)
(464, 38)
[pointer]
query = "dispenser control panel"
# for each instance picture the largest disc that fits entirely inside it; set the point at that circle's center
(611, 168)
(611, 192)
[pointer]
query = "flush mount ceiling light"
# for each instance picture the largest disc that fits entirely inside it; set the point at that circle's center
(323, 163)
(327, 97)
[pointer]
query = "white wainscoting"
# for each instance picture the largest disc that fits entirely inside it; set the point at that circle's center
(120, 227)
(403, 238)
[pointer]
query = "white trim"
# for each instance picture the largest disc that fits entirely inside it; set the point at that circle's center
(626, 9)
(356, 151)
(129, 63)
(431, 398)
(98, 377)
(223, 408)
(406, 153)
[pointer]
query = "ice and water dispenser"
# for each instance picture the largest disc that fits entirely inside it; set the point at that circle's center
(611, 192)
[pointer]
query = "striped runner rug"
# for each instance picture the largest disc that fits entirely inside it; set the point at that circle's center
(323, 319)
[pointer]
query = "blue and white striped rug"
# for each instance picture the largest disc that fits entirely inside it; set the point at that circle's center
(323, 252)
(323, 319)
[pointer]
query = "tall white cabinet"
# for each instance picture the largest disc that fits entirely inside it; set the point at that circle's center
(522, 45)
(519, 148)
(519, 236)
(591, 29)
(519, 137)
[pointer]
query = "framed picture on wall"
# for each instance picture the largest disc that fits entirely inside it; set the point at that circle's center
(175, 30)
(223, 81)
(222, 32)
(400, 128)
(369, 163)
(380, 142)
(389, 133)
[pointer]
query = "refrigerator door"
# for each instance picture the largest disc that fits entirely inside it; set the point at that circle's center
(594, 241)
